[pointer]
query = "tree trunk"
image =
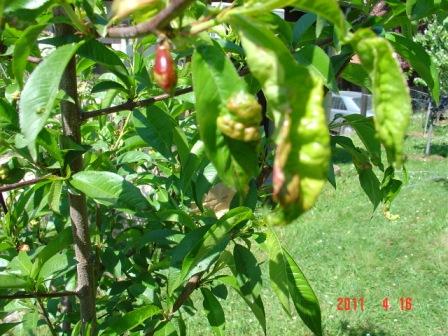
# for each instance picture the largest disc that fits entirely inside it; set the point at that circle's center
(71, 121)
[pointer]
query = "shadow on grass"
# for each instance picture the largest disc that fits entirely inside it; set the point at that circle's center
(443, 181)
(367, 330)
(436, 149)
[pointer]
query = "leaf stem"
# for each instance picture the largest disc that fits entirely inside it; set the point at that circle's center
(46, 317)
(35, 295)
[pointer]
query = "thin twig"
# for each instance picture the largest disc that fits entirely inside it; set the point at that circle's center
(22, 184)
(46, 317)
(157, 23)
(34, 59)
(35, 295)
(3, 204)
(190, 287)
(130, 105)
(192, 284)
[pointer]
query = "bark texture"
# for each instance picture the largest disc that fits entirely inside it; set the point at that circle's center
(71, 121)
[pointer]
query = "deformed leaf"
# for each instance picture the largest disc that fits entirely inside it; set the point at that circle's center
(303, 152)
(215, 82)
(391, 99)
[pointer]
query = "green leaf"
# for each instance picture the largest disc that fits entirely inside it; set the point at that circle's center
(318, 61)
(22, 263)
(253, 302)
(54, 196)
(156, 128)
(98, 52)
(108, 85)
(371, 186)
(207, 249)
(369, 182)
(5, 327)
(165, 329)
(22, 50)
(391, 100)
(419, 9)
(278, 270)
(134, 157)
(327, 9)
(40, 92)
(120, 324)
(58, 243)
(303, 296)
(215, 80)
(302, 25)
(419, 59)
(11, 281)
(214, 311)
(390, 187)
(110, 189)
(192, 164)
(365, 129)
(8, 115)
(54, 265)
(355, 74)
(29, 324)
(248, 275)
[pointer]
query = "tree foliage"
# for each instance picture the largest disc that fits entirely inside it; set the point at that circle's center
(135, 198)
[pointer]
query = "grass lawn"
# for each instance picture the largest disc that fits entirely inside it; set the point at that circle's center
(345, 250)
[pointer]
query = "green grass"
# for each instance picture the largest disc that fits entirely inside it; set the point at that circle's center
(345, 250)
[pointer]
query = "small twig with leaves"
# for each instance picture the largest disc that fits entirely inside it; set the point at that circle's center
(46, 317)
(22, 184)
(35, 295)
(154, 25)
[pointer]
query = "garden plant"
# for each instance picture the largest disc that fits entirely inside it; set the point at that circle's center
(113, 162)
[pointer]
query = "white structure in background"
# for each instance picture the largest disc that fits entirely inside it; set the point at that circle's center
(347, 102)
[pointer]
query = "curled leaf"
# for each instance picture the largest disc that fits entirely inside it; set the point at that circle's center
(391, 99)
(295, 99)
(241, 117)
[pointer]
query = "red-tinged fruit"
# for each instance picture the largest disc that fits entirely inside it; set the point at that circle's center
(164, 69)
